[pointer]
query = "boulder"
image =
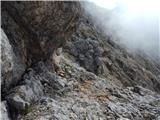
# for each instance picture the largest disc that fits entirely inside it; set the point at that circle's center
(21, 97)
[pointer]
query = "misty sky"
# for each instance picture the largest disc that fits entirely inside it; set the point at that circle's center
(134, 22)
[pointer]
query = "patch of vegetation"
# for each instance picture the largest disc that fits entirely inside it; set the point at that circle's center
(27, 110)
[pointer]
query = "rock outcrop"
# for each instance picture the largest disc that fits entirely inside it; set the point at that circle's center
(4, 111)
(88, 53)
(96, 79)
(99, 54)
(88, 96)
(36, 30)
(11, 66)
(34, 27)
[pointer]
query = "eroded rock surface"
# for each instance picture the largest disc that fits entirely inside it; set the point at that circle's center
(97, 79)
(88, 53)
(91, 97)
(101, 55)
(34, 27)
(11, 67)
(4, 111)
(35, 31)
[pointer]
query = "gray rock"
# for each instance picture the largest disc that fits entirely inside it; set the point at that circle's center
(158, 118)
(95, 98)
(36, 30)
(17, 102)
(87, 53)
(33, 90)
(12, 69)
(43, 74)
(33, 27)
(4, 111)
(125, 110)
(58, 83)
(6, 59)
(22, 96)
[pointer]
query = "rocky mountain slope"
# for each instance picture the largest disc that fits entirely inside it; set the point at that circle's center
(92, 78)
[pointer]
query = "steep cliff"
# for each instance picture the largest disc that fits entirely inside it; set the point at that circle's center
(36, 29)
(97, 79)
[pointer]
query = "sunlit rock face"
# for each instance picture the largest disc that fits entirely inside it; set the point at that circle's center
(41, 27)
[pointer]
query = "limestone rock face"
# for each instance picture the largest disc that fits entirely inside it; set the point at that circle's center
(97, 78)
(6, 55)
(4, 111)
(12, 68)
(42, 27)
(34, 30)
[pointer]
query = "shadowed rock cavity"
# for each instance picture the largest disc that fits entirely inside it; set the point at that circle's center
(37, 29)
(42, 26)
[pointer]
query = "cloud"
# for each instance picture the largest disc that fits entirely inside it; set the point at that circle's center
(133, 23)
